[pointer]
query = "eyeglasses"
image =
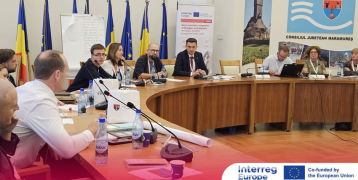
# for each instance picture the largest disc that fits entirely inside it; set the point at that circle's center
(314, 52)
(154, 51)
(104, 55)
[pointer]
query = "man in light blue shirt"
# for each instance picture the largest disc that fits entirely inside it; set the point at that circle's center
(273, 64)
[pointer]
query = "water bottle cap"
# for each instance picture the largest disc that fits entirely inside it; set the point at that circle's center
(163, 65)
(127, 69)
(100, 78)
(90, 81)
(102, 120)
(137, 111)
(152, 65)
(82, 90)
(118, 72)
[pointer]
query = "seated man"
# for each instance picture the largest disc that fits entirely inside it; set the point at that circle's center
(189, 62)
(7, 59)
(8, 120)
(92, 68)
(39, 119)
(144, 64)
(273, 64)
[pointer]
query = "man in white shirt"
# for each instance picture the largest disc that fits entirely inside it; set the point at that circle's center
(273, 64)
(39, 119)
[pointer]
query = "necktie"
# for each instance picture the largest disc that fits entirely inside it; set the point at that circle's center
(191, 62)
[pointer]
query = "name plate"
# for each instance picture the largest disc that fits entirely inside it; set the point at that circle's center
(266, 76)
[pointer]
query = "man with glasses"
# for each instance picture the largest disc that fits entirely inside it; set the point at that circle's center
(145, 63)
(7, 59)
(190, 62)
(273, 64)
(93, 65)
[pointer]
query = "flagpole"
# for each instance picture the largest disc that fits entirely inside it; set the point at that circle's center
(18, 59)
(29, 66)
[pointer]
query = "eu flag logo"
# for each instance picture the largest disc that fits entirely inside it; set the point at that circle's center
(196, 14)
(294, 172)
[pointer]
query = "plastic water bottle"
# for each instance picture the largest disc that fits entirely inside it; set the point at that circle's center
(137, 131)
(128, 78)
(82, 101)
(101, 143)
(152, 73)
(119, 78)
(90, 96)
(164, 71)
(339, 70)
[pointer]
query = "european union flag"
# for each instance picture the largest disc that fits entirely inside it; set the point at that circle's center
(163, 51)
(127, 35)
(294, 172)
(74, 10)
(110, 27)
(46, 30)
(87, 7)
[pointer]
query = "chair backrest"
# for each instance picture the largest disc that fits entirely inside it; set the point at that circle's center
(232, 67)
(299, 61)
(258, 63)
(169, 66)
(81, 63)
(131, 63)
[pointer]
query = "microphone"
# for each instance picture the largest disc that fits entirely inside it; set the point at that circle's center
(247, 74)
(263, 72)
(99, 74)
(102, 105)
(139, 83)
(169, 151)
(154, 134)
(108, 75)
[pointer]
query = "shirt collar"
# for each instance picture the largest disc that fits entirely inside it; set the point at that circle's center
(45, 89)
(191, 55)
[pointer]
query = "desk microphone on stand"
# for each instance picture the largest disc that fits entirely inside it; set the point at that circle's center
(139, 83)
(247, 74)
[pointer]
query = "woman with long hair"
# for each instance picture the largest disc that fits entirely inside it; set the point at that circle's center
(113, 62)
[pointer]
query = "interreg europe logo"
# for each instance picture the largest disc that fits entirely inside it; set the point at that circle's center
(255, 173)
(321, 16)
(294, 172)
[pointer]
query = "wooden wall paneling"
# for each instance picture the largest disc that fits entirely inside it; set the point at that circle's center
(251, 124)
(154, 105)
(355, 109)
(201, 105)
(291, 107)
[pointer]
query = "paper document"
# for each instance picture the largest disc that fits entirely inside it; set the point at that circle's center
(161, 173)
(175, 80)
(129, 86)
(67, 121)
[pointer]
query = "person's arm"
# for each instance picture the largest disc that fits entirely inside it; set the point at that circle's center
(347, 66)
(323, 67)
(265, 65)
(140, 70)
(305, 67)
(178, 68)
(44, 119)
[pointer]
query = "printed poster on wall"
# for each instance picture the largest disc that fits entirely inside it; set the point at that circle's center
(194, 21)
(257, 30)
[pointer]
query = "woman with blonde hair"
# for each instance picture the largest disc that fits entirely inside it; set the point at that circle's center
(3, 72)
(113, 62)
(314, 64)
(352, 64)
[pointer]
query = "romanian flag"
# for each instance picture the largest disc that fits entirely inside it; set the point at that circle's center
(74, 6)
(163, 51)
(127, 35)
(46, 30)
(144, 37)
(110, 27)
(21, 42)
(87, 7)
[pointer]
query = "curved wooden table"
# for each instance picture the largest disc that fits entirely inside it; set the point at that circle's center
(197, 105)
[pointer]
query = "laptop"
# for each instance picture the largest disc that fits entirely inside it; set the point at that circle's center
(291, 70)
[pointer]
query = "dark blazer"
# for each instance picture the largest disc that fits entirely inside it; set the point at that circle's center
(83, 76)
(182, 63)
(141, 66)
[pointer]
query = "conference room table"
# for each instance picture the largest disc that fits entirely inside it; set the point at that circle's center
(197, 105)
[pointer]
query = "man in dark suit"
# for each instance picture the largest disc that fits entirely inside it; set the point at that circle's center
(145, 63)
(7, 58)
(92, 68)
(189, 62)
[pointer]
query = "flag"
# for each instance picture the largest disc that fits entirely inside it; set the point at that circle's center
(110, 27)
(21, 41)
(74, 6)
(163, 51)
(46, 30)
(294, 172)
(87, 7)
(127, 35)
(144, 37)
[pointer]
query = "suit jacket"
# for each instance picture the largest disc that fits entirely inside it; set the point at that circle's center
(182, 63)
(141, 66)
(11, 79)
(83, 76)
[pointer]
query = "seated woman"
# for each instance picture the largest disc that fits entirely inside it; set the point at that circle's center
(113, 62)
(313, 64)
(352, 64)
(3, 72)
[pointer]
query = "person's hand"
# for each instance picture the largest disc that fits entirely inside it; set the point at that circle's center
(272, 72)
(347, 69)
(195, 73)
(60, 103)
(202, 72)
(159, 74)
(94, 125)
(6, 132)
